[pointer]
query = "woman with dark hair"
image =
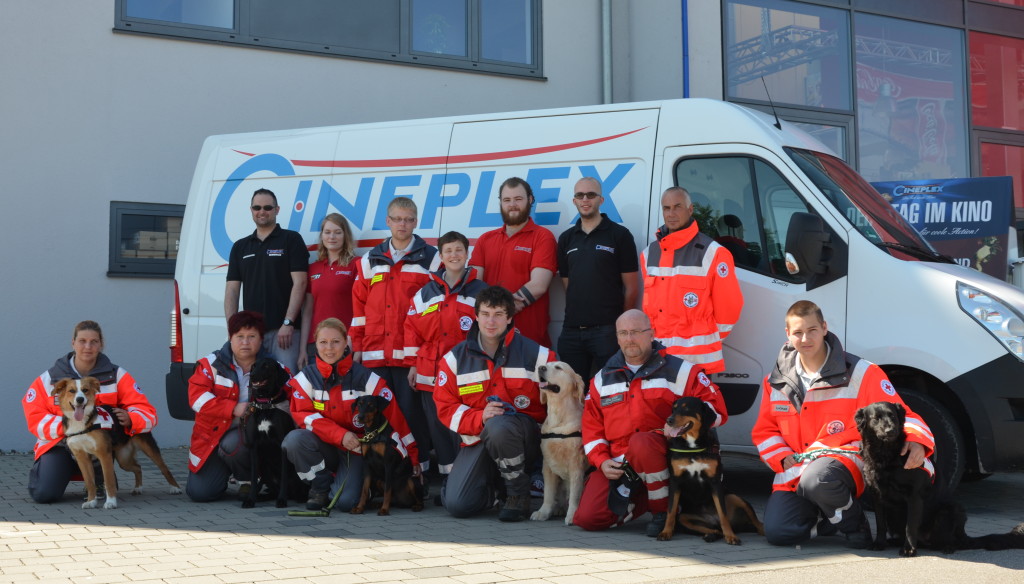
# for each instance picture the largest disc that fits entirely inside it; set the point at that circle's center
(326, 446)
(54, 467)
(218, 392)
(329, 284)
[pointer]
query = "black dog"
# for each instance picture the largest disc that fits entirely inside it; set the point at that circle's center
(385, 470)
(696, 493)
(264, 427)
(903, 498)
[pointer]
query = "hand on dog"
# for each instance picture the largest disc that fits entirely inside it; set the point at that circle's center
(916, 456)
(611, 469)
(123, 418)
(350, 442)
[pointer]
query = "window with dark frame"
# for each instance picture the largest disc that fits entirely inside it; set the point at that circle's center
(491, 36)
(144, 239)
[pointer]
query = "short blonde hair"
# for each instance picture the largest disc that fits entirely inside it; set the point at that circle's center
(331, 323)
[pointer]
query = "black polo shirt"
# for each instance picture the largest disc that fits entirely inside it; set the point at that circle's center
(264, 268)
(594, 263)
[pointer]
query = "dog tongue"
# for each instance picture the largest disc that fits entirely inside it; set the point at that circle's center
(79, 413)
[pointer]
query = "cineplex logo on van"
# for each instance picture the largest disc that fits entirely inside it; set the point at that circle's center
(351, 194)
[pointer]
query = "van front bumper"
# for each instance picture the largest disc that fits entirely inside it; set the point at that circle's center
(993, 396)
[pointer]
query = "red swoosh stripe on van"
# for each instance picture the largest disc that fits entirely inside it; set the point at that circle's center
(435, 160)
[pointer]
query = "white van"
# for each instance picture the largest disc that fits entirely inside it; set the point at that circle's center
(949, 338)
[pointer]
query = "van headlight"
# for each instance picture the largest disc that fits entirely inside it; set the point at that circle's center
(1005, 323)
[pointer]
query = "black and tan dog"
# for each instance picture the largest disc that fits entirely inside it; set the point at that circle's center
(265, 424)
(696, 493)
(385, 470)
(904, 501)
(94, 431)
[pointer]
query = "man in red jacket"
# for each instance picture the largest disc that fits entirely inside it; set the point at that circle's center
(488, 391)
(691, 293)
(389, 276)
(805, 432)
(623, 418)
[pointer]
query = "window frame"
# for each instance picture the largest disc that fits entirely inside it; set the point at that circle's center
(241, 35)
(120, 265)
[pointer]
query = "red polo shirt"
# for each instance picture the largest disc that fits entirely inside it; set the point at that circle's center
(331, 287)
(508, 261)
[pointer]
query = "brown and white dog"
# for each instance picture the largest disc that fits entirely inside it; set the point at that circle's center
(561, 441)
(94, 431)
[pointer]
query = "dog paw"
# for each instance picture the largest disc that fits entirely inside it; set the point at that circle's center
(664, 536)
(383, 511)
(713, 537)
(175, 490)
(877, 546)
(908, 552)
(111, 503)
(281, 504)
(137, 491)
(417, 507)
(90, 504)
(733, 540)
(247, 504)
(356, 511)
(541, 514)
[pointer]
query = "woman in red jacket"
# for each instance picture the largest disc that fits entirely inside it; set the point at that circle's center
(218, 392)
(329, 283)
(54, 467)
(327, 441)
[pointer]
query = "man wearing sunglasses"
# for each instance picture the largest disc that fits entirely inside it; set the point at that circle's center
(268, 269)
(598, 264)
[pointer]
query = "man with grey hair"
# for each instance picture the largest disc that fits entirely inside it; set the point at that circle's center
(691, 292)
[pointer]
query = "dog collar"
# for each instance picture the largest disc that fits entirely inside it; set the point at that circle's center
(687, 451)
(86, 431)
(570, 435)
(374, 433)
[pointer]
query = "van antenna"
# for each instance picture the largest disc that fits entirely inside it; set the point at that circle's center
(778, 124)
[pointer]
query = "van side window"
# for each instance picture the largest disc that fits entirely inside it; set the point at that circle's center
(744, 204)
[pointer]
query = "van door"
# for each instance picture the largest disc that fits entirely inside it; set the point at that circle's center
(743, 197)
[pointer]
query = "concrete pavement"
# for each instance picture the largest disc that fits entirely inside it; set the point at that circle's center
(156, 537)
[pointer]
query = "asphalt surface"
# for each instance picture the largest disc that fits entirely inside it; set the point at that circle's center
(156, 537)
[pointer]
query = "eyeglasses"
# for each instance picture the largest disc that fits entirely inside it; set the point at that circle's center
(263, 207)
(627, 334)
(588, 195)
(409, 220)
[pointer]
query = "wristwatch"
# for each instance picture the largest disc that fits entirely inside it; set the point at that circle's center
(287, 322)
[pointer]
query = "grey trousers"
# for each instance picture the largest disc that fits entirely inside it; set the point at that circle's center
(823, 503)
(509, 446)
(325, 467)
(288, 357)
(231, 457)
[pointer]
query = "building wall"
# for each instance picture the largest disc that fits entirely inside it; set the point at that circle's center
(90, 116)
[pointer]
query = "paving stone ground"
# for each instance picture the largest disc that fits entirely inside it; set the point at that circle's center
(156, 537)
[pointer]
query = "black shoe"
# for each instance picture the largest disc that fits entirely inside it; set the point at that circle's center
(317, 500)
(657, 524)
(243, 491)
(516, 508)
(860, 538)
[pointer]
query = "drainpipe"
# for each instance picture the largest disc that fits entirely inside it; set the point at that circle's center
(686, 49)
(606, 51)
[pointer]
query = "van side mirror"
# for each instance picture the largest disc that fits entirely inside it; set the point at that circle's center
(808, 248)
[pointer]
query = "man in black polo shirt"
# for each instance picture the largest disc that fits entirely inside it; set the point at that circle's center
(269, 267)
(598, 263)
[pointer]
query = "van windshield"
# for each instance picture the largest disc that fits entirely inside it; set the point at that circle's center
(861, 204)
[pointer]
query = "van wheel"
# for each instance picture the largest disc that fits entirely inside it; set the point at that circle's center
(950, 456)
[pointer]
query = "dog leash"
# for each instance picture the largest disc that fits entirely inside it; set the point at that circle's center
(372, 434)
(813, 454)
(326, 511)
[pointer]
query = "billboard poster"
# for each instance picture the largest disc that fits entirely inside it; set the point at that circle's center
(967, 219)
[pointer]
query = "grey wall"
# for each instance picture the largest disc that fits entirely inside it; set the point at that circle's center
(88, 116)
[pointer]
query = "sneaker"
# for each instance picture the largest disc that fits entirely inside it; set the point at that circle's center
(516, 508)
(317, 500)
(537, 487)
(657, 524)
(860, 538)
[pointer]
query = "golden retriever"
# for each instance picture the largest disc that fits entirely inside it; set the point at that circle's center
(94, 431)
(561, 441)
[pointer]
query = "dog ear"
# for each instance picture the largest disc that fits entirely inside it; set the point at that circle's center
(901, 412)
(858, 418)
(709, 415)
(60, 386)
(381, 403)
(579, 387)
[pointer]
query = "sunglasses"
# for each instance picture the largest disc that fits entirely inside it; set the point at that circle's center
(588, 195)
(263, 207)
